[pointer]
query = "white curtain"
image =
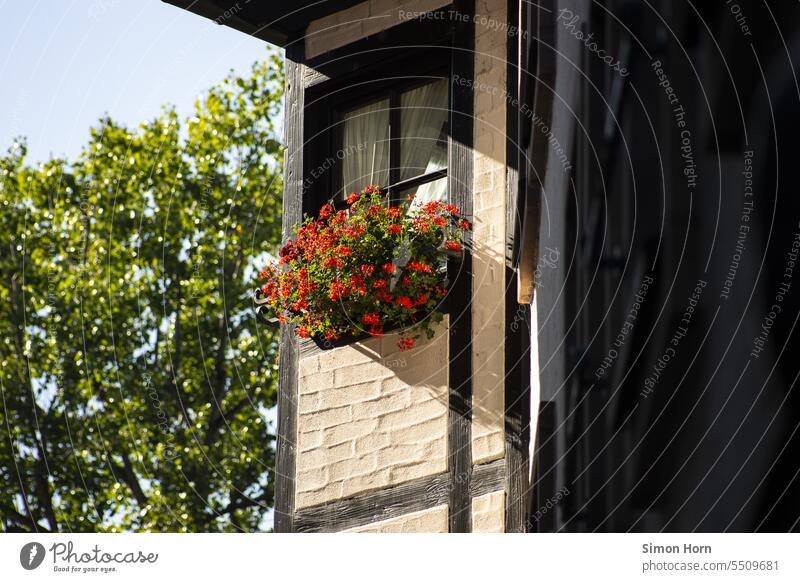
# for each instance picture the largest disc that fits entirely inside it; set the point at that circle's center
(423, 130)
(365, 148)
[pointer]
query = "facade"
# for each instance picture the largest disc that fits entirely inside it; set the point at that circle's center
(601, 151)
(388, 441)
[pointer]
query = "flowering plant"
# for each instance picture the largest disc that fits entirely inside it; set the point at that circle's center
(364, 269)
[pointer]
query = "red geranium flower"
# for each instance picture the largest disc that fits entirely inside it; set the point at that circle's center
(419, 266)
(394, 229)
(406, 302)
(325, 211)
(298, 305)
(384, 296)
(333, 263)
(337, 291)
(352, 198)
(372, 319)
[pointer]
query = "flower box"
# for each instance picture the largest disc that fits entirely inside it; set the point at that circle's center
(364, 270)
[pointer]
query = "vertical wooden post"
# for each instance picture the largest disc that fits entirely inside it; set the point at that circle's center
(292, 214)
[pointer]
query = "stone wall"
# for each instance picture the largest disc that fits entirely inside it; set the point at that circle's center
(489, 212)
(370, 416)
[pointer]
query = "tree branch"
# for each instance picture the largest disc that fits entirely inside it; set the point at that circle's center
(131, 480)
(24, 520)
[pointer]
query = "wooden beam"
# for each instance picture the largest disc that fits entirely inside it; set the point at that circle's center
(460, 274)
(288, 364)
(517, 382)
(539, 75)
(417, 495)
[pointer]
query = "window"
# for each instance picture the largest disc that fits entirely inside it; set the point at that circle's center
(398, 141)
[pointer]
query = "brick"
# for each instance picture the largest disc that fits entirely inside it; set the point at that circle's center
(315, 382)
(323, 456)
(360, 374)
(345, 395)
(488, 513)
(386, 404)
(318, 496)
(308, 365)
(413, 470)
(310, 440)
(351, 431)
(349, 355)
(367, 482)
(308, 402)
(399, 454)
(409, 420)
(484, 181)
(325, 418)
(315, 478)
(358, 466)
(488, 447)
(372, 443)
(434, 520)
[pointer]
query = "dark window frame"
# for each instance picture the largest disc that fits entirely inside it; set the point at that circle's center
(391, 89)
(415, 52)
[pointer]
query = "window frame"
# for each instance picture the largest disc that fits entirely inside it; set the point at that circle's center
(364, 82)
(392, 90)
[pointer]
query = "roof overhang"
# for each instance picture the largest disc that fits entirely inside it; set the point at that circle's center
(275, 21)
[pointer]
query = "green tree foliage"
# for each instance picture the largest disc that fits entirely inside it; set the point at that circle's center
(135, 382)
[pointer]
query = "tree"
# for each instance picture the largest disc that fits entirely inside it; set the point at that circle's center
(134, 379)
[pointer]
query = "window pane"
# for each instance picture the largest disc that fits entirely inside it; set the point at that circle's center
(365, 147)
(423, 129)
(435, 190)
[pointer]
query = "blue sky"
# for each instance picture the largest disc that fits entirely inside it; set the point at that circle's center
(65, 63)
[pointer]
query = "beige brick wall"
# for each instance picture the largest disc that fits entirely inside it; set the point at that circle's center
(489, 185)
(489, 513)
(432, 520)
(370, 417)
(360, 21)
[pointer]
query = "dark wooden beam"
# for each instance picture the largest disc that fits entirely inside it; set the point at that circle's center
(517, 316)
(417, 495)
(288, 365)
(460, 274)
(538, 80)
